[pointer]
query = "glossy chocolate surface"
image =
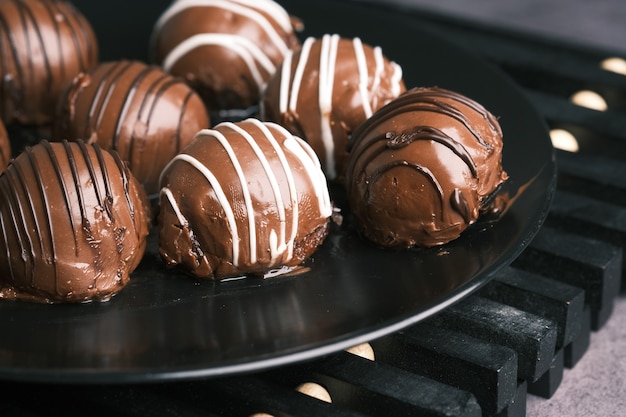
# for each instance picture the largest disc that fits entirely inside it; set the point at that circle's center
(138, 110)
(5, 147)
(327, 88)
(226, 50)
(43, 44)
(242, 198)
(75, 224)
(165, 326)
(421, 167)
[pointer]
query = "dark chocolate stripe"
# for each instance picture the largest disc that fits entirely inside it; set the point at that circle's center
(36, 24)
(79, 30)
(77, 187)
(16, 93)
(147, 95)
(420, 168)
(105, 88)
(127, 103)
(472, 104)
(94, 179)
(418, 100)
(395, 141)
(36, 173)
(31, 71)
(57, 30)
(59, 175)
(108, 202)
(19, 222)
(125, 181)
(49, 227)
(156, 96)
(6, 233)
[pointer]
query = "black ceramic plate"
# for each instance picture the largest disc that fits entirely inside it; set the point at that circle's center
(165, 325)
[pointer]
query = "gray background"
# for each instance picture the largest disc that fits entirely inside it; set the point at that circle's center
(596, 385)
(597, 23)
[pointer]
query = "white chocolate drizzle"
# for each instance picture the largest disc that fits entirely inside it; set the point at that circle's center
(279, 241)
(219, 192)
(251, 53)
(292, 78)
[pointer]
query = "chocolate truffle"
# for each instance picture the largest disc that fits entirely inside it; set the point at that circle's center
(143, 113)
(242, 199)
(225, 49)
(421, 169)
(43, 44)
(327, 88)
(74, 223)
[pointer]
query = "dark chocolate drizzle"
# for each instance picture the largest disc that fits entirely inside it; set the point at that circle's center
(421, 99)
(18, 90)
(402, 139)
(418, 167)
(459, 203)
(27, 222)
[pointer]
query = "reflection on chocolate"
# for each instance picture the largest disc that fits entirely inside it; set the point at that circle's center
(226, 50)
(5, 147)
(327, 88)
(242, 198)
(140, 111)
(44, 44)
(75, 224)
(422, 168)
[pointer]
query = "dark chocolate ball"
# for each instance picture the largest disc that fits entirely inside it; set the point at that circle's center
(420, 169)
(43, 44)
(143, 113)
(75, 224)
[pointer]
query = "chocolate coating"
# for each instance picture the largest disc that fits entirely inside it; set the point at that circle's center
(43, 45)
(143, 113)
(74, 223)
(327, 88)
(422, 167)
(225, 49)
(5, 147)
(242, 198)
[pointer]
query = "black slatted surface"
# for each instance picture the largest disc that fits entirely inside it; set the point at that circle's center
(484, 355)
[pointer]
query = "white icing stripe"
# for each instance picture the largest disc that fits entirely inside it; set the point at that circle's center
(285, 78)
(242, 8)
(309, 160)
(278, 13)
(361, 62)
(293, 195)
(380, 68)
(328, 59)
(396, 79)
(245, 190)
(299, 73)
(247, 50)
(221, 196)
(182, 220)
(277, 247)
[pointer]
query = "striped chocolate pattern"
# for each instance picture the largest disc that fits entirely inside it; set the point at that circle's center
(43, 45)
(351, 80)
(421, 167)
(264, 190)
(74, 224)
(140, 111)
(259, 36)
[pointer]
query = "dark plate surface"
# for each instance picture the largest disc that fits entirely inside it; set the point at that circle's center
(165, 325)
